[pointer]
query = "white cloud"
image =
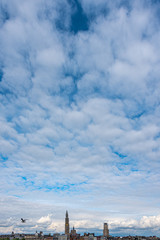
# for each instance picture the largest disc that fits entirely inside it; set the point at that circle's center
(79, 124)
(45, 219)
(50, 57)
(6, 230)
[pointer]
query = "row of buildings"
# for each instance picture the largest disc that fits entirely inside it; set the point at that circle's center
(68, 235)
(72, 235)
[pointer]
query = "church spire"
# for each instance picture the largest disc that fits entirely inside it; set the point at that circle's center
(67, 224)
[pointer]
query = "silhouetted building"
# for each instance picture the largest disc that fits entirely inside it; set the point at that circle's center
(67, 224)
(73, 232)
(105, 230)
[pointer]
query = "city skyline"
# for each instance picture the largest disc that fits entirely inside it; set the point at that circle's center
(80, 115)
(71, 234)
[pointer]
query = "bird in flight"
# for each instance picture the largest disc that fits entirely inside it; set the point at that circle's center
(23, 220)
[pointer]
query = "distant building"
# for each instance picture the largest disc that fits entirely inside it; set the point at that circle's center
(105, 230)
(92, 237)
(74, 235)
(73, 232)
(89, 236)
(67, 224)
(32, 236)
(48, 238)
(85, 237)
(63, 237)
(55, 236)
(16, 235)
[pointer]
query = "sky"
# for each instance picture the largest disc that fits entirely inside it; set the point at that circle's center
(80, 116)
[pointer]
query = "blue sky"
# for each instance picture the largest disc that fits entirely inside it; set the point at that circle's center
(79, 115)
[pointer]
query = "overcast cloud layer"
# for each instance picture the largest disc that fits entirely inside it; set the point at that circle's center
(80, 115)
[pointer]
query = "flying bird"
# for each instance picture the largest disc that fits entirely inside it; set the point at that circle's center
(23, 220)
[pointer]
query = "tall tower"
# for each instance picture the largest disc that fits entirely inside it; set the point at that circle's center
(105, 230)
(67, 224)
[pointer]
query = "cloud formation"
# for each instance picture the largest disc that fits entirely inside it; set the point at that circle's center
(79, 122)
